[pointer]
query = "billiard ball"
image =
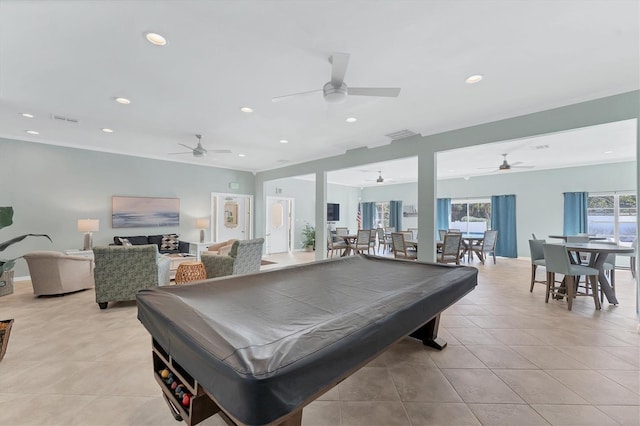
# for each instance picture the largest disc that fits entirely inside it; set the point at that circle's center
(185, 400)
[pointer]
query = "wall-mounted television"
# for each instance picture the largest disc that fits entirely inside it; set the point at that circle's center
(333, 212)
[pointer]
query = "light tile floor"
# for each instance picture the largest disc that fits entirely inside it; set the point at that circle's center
(511, 360)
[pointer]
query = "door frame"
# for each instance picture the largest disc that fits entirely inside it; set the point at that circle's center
(290, 227)
(214, 213)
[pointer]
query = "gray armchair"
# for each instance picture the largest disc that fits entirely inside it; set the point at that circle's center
(244, 258)
(53, 272)
(120, 271)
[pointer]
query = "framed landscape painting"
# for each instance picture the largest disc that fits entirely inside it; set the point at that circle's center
(136, 212)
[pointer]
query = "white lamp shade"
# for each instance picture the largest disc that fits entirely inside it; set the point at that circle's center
(88, 225)
(202, 223)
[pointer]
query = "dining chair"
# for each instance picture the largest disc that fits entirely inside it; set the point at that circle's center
(400, 249)
(382, 241)
(534, 236)
(450, 249)
(632, 257)
(537, 259)
(373, 239)
(342, 232)
(557, 261)
(362, 241)
(414, 233)
(441, 234)
(335, 245)
(583, 257)
(455, 230)
(487, 247)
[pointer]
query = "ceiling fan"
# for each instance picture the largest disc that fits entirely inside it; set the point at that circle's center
(199, 150)
(380, 179)
(505, 166)
(336, 90)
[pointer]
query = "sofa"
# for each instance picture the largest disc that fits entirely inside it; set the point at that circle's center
(244, 258)
(167, 243)
(121, 271)
(53, 272)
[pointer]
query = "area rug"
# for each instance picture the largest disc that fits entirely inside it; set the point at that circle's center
(266, 262)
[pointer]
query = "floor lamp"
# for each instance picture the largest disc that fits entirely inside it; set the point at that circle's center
(88, 226)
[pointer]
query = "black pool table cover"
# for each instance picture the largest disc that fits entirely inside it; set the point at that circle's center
(262, 344)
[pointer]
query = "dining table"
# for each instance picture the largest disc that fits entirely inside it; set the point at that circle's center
(351, 241)
(591, 237)
(598, 253)
(468, 241)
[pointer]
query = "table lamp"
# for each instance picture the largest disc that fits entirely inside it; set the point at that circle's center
(88, 226)
(202, 224)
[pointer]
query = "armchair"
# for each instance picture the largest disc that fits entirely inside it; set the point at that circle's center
(244, 258)
(120, 271)
(53, 272)
(221, 248)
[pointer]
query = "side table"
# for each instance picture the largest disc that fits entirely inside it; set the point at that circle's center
(197, 248)
(190, 271)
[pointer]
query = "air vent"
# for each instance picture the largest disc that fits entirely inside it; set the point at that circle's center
(401, 134)
(63, 118)
(283, 161)
(541, 147)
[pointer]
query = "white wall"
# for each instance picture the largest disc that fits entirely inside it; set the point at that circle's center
(303, 192)
(539, 199)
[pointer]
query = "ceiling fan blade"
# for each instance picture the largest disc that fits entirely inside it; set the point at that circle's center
(523, 167)
(387, 92)
(179, 153)
(339, 62)
(221, 151)
(285, 97)
(186, 146)
(515, 164)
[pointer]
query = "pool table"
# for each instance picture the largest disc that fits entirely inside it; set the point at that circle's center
(257, 348)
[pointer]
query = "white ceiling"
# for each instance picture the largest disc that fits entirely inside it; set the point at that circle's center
(73, 58)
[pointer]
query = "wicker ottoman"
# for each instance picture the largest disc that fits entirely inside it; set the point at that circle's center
(190, 271)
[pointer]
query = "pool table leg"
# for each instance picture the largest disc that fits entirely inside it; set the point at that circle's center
(428, 333)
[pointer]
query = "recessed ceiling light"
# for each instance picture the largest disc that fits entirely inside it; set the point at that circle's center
(32, 132)
(284, 141)
(241, 155)
(246, 109)
(26, 114)
(351, 120)
(156, 39)
(123, 101)
(473, 79)
(608, 152)
(106, 130)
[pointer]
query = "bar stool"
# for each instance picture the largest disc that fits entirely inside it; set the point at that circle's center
(557, 261)
(190, 271)
(537, 259)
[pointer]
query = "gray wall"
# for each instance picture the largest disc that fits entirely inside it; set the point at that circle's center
(51, 187)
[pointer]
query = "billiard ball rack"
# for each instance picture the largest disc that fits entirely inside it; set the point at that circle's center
(200, 406)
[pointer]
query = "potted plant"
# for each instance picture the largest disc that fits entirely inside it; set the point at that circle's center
(6, 265)
(308, 238)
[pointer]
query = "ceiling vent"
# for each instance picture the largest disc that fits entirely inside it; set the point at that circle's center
(401, 134)
(63, 118)
(541, 147)
(283, 161)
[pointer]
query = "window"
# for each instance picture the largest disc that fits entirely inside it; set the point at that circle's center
(382, 215)
(471, 216)
(613, 215)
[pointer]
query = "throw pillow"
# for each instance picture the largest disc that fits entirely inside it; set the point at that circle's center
(169, 242)
(125, 242)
